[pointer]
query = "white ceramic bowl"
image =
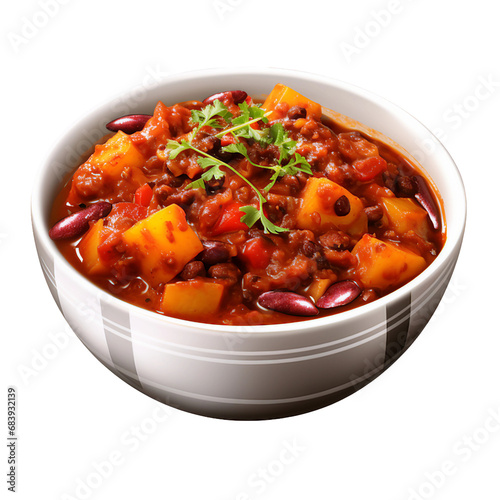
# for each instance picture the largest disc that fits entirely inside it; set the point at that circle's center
(262, 371)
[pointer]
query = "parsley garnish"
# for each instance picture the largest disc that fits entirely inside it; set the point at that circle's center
(206, 117)
(293, 167)
(241, 127)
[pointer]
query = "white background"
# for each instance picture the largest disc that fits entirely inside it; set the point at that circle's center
(432, 411)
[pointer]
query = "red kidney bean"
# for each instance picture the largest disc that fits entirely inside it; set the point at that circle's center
(339, 294)
(76, 224)
(128, 124)
(424, 197)
(238, 96)
(287, 303)
(342, 206)
(214, 252)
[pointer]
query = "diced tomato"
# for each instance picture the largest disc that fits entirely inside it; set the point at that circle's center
(256, 253)
(107, 249)
(369, 168)
(227, 139)
(230, 219)
(143, 195)
(249, 101)
(124, 215)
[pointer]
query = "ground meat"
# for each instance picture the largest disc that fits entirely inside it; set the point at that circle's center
(254, 285)
(340, 258)
(404, 186)
(336, 240)
(296, 112)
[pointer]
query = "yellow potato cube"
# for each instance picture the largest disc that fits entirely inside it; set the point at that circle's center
(163, 244)
(282, 94)
(318, 287)
(317, 209)
(404, 214)
(88, 248)
(382, 264)
(115, 155)
(192, 298)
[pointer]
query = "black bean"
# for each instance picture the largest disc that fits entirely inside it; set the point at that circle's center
(342, 206)
(214, 185)
(214, 252)
(193, 269)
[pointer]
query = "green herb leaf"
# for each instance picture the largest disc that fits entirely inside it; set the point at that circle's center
(214, 173)
(177, 147)
(207, 116)
(197, 184)
(296, 165)
(240, 148)
(252, 215)
(237, 147)
(279, 137)
(278, 172)
(242, 126)
(269, 227)
(208, 162)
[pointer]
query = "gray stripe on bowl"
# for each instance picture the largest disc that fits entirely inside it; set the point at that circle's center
(120, 346)
(426, 308)
(398, 324)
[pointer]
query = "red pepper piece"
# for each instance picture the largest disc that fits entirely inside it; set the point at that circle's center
(229, 220)
(143, 195)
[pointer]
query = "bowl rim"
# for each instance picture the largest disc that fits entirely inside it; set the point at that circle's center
(40, 226)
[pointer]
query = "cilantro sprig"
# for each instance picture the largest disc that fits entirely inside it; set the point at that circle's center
(207, 116)
(252, 214)
(240, 126)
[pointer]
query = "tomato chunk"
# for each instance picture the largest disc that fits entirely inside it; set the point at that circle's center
(368, 168)
(227, 139)
(256, 253)
(230, 220)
